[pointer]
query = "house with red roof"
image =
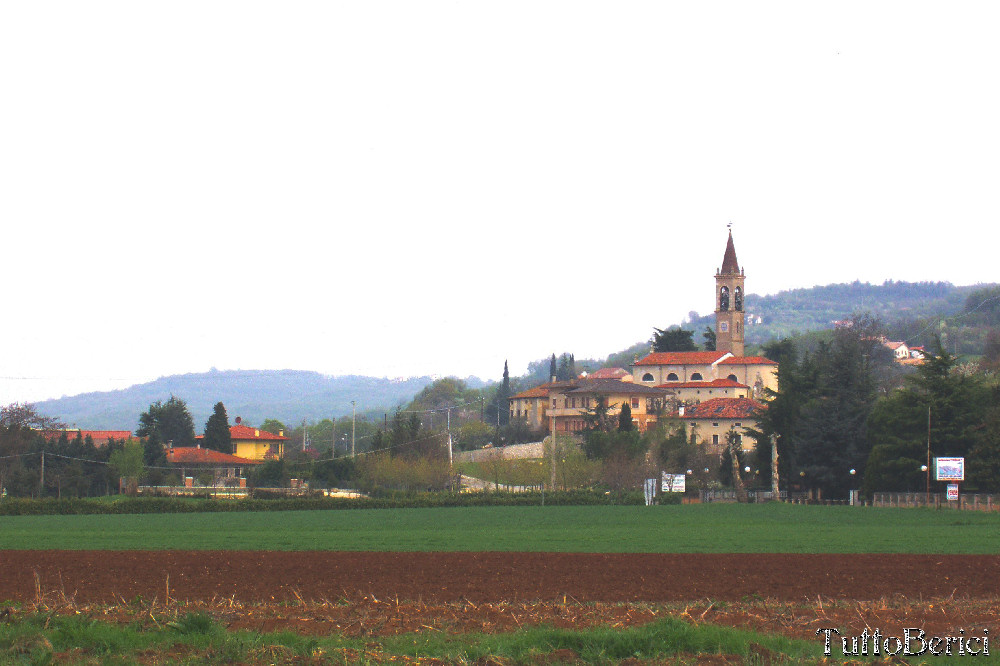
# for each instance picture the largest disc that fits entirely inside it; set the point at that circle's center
(253, 443)
(710, 421)
(99, 437)
(194, 460)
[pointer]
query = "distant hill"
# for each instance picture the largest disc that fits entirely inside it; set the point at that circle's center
(255, 395)
(904, 307)
(802, 310)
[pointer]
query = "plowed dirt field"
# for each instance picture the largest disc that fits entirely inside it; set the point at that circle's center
(248, 577)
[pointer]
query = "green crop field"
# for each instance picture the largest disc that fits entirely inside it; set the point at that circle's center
(720, 528)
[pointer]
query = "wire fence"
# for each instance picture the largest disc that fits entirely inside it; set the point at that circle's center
(964, 501)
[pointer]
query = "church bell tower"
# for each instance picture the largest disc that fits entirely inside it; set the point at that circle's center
(729, 317)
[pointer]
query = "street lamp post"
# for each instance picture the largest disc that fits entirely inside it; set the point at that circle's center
(926, 469)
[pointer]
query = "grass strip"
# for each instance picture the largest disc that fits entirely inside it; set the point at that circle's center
(197, 638)
(711, 528)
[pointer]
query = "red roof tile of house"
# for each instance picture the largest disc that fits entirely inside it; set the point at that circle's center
(616, 387)
(715, 383)
(537, 392)
(748, 360)
(543, 390)
(195, 455)
(724, 408)
(609, 373)
(681, 358)
(243, 433)
(100, 437)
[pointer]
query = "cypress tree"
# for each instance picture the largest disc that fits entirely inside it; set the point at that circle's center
(217, 435)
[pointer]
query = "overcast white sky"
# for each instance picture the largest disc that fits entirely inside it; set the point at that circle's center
(405, 188)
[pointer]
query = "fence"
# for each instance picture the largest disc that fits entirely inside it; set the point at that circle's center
(966, 502)
(510, 452)
(752, 495)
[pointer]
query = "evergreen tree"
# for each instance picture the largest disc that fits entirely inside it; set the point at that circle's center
(217, 435)
(984, 457)
(413, 427)
(710, 340)
(953, 404)
(625, 418)
(673, 339)
(567, 368)
(503, 397)
(552, 369)
(167, 422)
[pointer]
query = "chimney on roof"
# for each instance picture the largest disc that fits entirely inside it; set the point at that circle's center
(256, 433)
(281, 433)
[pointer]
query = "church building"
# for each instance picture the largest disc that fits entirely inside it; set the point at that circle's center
(719, 389)
(687, 374)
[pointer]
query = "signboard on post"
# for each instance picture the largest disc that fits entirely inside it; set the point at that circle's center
(673, 483)
(649, 487)
(949, 469)
(952, 492)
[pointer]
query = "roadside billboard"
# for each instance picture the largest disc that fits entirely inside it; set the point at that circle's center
(673, 483)
(949, 469)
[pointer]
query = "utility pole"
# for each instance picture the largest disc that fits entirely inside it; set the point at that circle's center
(927, 495)
(552, 456)
(354, 414)
(774, 468)
(41, 481)
(451, 457)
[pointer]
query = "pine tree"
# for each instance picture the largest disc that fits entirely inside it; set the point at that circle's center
(168, 422)
(552, 368)
(217, 435)
(625, 418)
(674, 339)
(503, 398)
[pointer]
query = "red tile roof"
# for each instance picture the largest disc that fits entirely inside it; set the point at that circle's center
(537, 392)
(715, 383)
(543, 390)
(724, 408)
(100, 437)
(616, 387)
(243, 433)
(193, 455)
(748, 360)
(609, 373)
(681, 358)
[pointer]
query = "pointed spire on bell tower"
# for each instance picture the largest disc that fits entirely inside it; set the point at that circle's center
(729, 264)
(729, 293)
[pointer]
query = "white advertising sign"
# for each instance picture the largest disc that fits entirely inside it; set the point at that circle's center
(950, 469)
(952, 492)
(673, 483)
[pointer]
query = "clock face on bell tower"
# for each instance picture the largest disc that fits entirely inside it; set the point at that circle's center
(729, 289)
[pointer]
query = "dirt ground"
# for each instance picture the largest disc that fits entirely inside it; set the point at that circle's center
(391, 593)
(248, 576)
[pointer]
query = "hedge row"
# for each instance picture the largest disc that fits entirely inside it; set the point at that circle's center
(25, 507)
